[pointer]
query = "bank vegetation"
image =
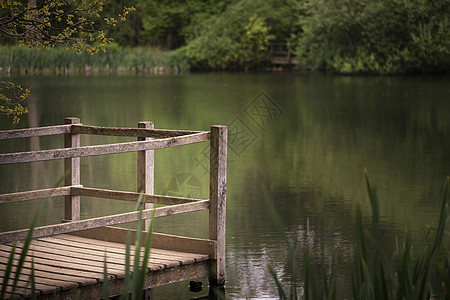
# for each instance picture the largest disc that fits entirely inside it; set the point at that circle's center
(342, 36)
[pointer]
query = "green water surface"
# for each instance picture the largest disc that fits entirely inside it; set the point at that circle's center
(302, 138)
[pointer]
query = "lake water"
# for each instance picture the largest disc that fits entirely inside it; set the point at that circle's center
(301, 140)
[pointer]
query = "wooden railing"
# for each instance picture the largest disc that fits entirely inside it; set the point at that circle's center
(148, 139)
(281, 54)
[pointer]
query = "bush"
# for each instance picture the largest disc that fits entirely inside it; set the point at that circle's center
(239, 37)
(376, 36)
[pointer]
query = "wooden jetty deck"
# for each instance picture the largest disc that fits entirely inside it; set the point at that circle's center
(68, 258)
(281, 54)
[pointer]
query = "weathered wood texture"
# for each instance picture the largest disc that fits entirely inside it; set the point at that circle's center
(11, 158)
(93, 130)
(73, 226)
(146, 169)
(31, 132)
(81, 266)
(66, 264)
(130, 196)
(72, 174)
(130, 132)
(159, 240)
(217, 194)
(36, 194)
(92, 192)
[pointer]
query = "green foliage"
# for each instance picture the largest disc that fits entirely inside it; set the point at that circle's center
(43, 24)
(77, 25)
(239, 37)
(12, 98)
(404, 275)
(381, 36)
(165, 23)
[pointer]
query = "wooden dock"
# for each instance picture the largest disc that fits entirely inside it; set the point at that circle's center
(281, 54)
(68, 259)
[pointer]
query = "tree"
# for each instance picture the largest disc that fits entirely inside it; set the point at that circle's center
(165, 23)
(376, 36)
(239, 37)
(12, 97)
(76, 25)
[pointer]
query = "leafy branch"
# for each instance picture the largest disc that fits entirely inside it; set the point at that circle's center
(74, 24)
(12, 98)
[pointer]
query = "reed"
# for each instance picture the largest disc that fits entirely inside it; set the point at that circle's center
(116, 60)
(406, 274)
(19, 266)
(135, 280)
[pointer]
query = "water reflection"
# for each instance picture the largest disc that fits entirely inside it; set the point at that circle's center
(309, 156)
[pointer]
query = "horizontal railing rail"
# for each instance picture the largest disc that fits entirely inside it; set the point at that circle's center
(54, 154)
(36, 194)
(93, 130)
(93, 192)
(32, 132)
(49, 230)
(130, 132)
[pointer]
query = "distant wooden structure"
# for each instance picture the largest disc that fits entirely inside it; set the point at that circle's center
(69, 256)
(281, 54)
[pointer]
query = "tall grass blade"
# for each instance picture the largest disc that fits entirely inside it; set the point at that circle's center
(281, 293)
(33, 282)
(148, 246)
(7, 276)
(292, 251)
(136, 278)
(134, 281)
(126, 289)
(23, 255)
(105, 279)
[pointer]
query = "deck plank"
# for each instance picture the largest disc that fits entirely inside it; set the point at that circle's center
(64, 285)
(41, 288)
(65, 262)
(119, 247)
(69, 265)
(60, 277)
(116, 263)
(79, 261)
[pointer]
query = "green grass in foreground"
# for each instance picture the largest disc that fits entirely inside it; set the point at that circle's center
(408, 273)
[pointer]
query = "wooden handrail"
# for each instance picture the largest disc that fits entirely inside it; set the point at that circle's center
(49, 230)
(94, 130)
(92, 192)
(130, 196)
(148, 139)
(36, 194)
(42, 155)
(130, 132)
(32, 132)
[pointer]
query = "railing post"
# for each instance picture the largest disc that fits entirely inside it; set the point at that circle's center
(146, 169)
(217, 196)
(72, 174)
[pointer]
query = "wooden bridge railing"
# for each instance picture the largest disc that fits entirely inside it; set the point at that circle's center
(281, 54)
(148, 139)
